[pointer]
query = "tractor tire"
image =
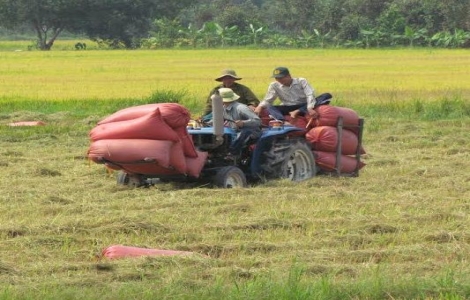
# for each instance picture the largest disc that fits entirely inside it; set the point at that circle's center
(290, 159)
(230, 177)
(124, 178)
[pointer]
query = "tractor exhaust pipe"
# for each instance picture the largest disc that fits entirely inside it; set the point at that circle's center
(218, 118)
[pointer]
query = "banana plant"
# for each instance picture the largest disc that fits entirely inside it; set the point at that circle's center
(411, 35)
(451, 40)
(254, 32)
(306, 39)
(191, 34)
(366, 36)
(227, 35)
(322, 38)
(208, 33)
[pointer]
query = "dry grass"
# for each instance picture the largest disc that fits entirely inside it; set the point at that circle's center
(404, 219)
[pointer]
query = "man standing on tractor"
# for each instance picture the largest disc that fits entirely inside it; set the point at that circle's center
(240, 118)
(296, 95)
(228, 79)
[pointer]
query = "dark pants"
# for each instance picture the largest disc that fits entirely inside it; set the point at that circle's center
(245, 136)
(279, 111)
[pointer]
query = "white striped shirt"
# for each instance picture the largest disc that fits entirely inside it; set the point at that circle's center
(299, 92)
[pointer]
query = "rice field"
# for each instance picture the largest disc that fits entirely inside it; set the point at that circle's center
(352, 76)
(398, 231)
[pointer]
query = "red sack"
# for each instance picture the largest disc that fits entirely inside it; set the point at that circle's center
(129, 113)
(119, 251)
(137, 151)
(177, 158)
(173, 114)
(328, 116)
(264, 116)
(195, 165)
(325, 138)
(149, 126)
(27, 123)
(299, 121)
(187, 141)
(327, 162)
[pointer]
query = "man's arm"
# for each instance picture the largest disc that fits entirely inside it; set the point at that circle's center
(269, 98)
(250, 119)
(309, 92)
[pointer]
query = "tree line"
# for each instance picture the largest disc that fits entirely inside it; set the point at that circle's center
(244, 23)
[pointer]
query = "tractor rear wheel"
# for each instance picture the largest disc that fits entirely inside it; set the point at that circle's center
(230, 177)
(290, 160)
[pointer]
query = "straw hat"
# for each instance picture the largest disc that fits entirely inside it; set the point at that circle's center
(228, 72)
(228, 95)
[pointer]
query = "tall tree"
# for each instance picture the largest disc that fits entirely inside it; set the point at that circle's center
(44, 16)
(290, 15)
(115, 21)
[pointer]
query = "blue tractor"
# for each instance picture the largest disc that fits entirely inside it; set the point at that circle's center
(280, 152)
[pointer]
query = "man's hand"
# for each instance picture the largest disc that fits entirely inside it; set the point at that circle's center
(294, 114)
(312, 113)
(239, 123)
(258, 110)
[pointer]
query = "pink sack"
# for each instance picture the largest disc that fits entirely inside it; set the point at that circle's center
(139, 152)
(328, 116)
(27, 123)
(264, 116)
(119, 251)
(187, 141)
(325, 138)
(149, 126)
(299, 121)
(177, 158)
(195, 165)
(327, 162)
(175, 115)
(129, 113)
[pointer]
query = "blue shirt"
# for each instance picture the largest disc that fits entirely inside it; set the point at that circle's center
(239, 111)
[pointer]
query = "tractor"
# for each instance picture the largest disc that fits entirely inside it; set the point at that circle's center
(282, 151)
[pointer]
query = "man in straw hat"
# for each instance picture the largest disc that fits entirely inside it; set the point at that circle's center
(240, 118)
(296, 95)
(228, 79)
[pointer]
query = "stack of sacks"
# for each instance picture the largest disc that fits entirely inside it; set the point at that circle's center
(324, 139)
(148, 139)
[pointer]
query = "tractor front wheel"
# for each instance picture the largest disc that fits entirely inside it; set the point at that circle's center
(124, 178)
(230, 177)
